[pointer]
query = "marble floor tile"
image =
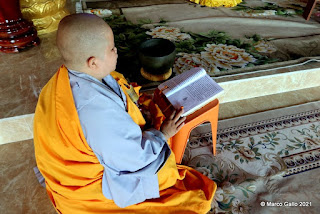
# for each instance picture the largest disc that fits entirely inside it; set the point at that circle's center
(15, 129)
(269, 102)
(20, 191)
(23, 75)
(29, 120)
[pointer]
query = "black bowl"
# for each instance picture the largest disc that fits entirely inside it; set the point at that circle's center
(157, 55)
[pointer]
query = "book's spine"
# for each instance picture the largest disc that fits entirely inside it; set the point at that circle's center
(163, 103)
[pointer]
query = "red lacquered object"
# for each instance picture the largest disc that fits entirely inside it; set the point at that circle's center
(16, 33)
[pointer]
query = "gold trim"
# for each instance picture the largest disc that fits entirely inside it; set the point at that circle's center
(154, 77)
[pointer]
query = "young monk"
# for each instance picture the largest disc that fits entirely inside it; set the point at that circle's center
(90, 145)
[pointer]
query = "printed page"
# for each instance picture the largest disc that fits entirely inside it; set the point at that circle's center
(178, 82)
(195, 95)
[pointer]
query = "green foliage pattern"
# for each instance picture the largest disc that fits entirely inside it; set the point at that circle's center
(128, 36)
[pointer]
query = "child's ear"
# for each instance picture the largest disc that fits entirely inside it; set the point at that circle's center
(92, 63)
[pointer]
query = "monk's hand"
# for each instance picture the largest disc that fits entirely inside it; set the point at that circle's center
(172, 124)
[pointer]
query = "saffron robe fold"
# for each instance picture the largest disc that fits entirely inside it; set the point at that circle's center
(129, 177)
(73, 173)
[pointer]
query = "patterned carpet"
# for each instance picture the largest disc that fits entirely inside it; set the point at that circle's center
(252, 36)
(266, 162)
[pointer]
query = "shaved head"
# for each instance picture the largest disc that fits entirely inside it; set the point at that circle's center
(81, 36)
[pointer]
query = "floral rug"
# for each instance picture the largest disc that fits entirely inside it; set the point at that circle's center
(265, 163)
(274, 8)
(222, 40)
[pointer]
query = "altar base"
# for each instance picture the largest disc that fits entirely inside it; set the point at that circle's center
(16, 33)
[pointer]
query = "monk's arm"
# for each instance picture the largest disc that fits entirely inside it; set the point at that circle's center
(131, 158)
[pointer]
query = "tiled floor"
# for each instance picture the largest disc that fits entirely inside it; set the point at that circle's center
(24, 74)
(22, 77)
(269, 102)
(20, 191)
(16, 129)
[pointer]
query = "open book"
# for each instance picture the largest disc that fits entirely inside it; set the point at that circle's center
(192, 89)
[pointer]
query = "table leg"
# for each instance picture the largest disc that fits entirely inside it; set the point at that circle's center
(309, 8)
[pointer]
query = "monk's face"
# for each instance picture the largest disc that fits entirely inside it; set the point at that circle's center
(109, 60)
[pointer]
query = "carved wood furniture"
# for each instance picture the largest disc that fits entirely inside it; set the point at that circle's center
(16, 33)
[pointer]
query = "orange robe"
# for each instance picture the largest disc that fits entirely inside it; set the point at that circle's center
(73, 173)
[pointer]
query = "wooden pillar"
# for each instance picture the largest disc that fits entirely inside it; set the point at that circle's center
(16, 33)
